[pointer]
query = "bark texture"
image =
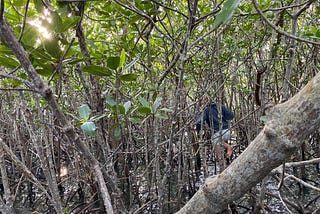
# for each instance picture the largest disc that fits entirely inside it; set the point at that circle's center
(287, 126)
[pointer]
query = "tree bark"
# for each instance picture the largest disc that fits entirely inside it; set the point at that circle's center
(287, 126)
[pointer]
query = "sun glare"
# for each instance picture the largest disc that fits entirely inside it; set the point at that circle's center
(38, 24)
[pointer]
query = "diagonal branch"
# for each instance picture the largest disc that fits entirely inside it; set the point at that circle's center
(266, 20)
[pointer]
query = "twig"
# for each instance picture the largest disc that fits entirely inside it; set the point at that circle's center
(284, 204)
(303, 163)
(59, 65)
(278, 171)
(1, 10)
(26, 82)
(302, 182)
(24, 20)
(18, 89)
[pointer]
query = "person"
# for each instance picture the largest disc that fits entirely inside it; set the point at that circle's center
(210, 117)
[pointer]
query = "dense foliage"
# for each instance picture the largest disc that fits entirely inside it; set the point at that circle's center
(129, 76)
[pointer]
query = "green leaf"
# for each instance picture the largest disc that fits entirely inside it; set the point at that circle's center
(96, 70)
(157, 103)
(226, 12)
(122, 58)
(70, 22)
(144, 102)
(317, 34)
(45, 72)
(89, 128)
(30, 35)
(110, 101)
(136, 120)
(128, 77)
(144, 110)
(57, 22)
(127, 106)
(52, 47)
(84, 111)
(166, 110)
(113, 62)
(122, 109)
(8, 62)
(161, 116)
(38, 5)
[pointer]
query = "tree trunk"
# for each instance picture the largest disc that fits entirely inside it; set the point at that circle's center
(287, 126)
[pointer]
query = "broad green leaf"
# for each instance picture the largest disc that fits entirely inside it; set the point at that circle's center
(46, 73)
(8, 62)
(144, 102)
(166, 110)
(57, 22)
(157, 103)
(38, 5)
(318, 33)
(127, 106)
(144, 110)
(122, 58)
(52, 47)
(89, 128)
(113, 62)
(30, 35)
(5, 50)
(84, 111)
(136, 120)
(70, 22)
(18, 3)
(161, 116)
(122, 109)
(41, 54)
(96, 70)
(226, 12)
(128, 77)
(110, 101)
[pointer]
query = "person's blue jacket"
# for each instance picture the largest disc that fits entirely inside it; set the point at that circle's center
(210, 117)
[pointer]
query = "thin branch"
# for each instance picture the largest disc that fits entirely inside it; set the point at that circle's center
(26, 82)
(265, 19)
(272, 9)
(303, 163)
(59, 65)
(284, 204)
(169, 8)
(18, 89)
(1, 9)
(302, 182)
(24, 20)
(279, 171)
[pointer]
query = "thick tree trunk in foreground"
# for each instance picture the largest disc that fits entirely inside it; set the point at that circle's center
(288, 126)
